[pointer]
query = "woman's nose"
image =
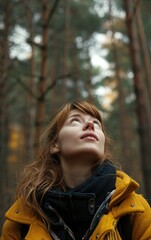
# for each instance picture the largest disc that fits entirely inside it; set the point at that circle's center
(89, 125)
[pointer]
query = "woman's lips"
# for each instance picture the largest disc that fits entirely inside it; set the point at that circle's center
(89, 135)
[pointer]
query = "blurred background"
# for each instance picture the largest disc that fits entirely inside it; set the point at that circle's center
(53, 52)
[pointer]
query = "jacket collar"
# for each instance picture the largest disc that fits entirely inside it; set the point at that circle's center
(124, 199)
(125, 185)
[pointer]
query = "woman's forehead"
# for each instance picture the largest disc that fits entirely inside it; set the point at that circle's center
(77, 112)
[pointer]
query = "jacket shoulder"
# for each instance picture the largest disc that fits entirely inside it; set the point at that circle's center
(142, 221)
(19, 213)
(11, 230)
(15, 217)
(143, 201)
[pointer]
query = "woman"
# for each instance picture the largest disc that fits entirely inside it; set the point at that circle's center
(71, 191)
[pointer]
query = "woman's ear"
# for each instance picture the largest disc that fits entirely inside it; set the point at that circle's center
(54, 149)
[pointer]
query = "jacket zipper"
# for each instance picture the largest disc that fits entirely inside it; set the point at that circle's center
(99, 213)
(103, 207)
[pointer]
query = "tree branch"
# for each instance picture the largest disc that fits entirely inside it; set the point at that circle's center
(31, 42)
(26, 88)
(43, 95)
(137, 4)
(54, 82)
(52, 11)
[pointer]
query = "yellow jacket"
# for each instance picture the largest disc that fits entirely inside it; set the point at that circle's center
(124, 201)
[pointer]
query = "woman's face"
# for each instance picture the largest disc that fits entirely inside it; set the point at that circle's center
(81, 138)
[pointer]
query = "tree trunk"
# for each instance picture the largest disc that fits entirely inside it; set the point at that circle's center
(123, 116)
(142, 99)
(66, 48)
(40, 111)
(30, 101)
(47, 14)
(4, 111)
(145, 51)
(88, 81)
(76, 72)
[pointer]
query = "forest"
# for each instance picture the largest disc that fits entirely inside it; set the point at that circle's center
(59, 51)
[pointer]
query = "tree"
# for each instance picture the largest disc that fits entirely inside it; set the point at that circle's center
(4, 118)
(142, 97)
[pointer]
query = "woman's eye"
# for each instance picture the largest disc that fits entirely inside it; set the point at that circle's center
(96, 122)
(75, 120)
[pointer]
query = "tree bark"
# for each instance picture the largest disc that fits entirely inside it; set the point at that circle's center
(123, 115)
(30, 101)
(145, 51)
(4, 67)
(47, 14)
(65, 59)
(142, 99)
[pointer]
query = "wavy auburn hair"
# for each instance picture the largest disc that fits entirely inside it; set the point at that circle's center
(45, 172)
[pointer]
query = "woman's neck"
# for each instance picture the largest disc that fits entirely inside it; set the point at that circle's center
(75, 174)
